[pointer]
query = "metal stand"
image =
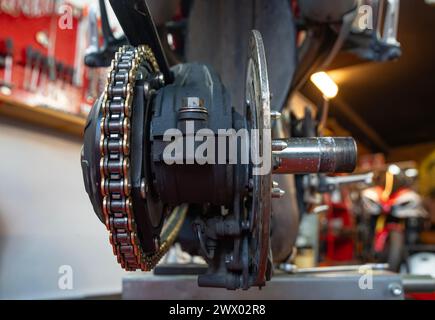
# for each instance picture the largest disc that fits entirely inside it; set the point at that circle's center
(347, 285)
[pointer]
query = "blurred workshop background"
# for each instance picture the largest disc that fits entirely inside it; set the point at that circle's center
(47, 223)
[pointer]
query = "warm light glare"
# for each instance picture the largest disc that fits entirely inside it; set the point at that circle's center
(411, 172)
(394, 169)
(325, 84)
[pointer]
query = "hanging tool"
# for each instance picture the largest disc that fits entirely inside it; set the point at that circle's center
(92, 74)
(52, 78)
(60, 69)
(70, 75)
(68, 78)
(28, 58)
(6, 83)
(58, 84)
(36, 70)
(42, 84)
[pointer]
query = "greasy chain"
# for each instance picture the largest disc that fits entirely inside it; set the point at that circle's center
(115, 164)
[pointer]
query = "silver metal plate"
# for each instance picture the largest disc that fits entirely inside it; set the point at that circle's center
(258, 117)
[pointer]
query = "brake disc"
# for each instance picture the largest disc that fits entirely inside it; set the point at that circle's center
(258, 116)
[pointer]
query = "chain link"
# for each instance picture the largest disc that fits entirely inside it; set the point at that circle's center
(115, 164)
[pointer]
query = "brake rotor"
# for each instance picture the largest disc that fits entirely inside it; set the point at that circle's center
(257, 96)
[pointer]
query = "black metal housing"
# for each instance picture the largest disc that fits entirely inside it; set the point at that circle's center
(192, 183)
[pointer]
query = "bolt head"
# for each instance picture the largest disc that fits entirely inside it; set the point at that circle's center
(275, 115)
(193, 102)
(277, 193)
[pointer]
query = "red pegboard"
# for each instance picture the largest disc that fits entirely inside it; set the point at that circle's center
(23, 31)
